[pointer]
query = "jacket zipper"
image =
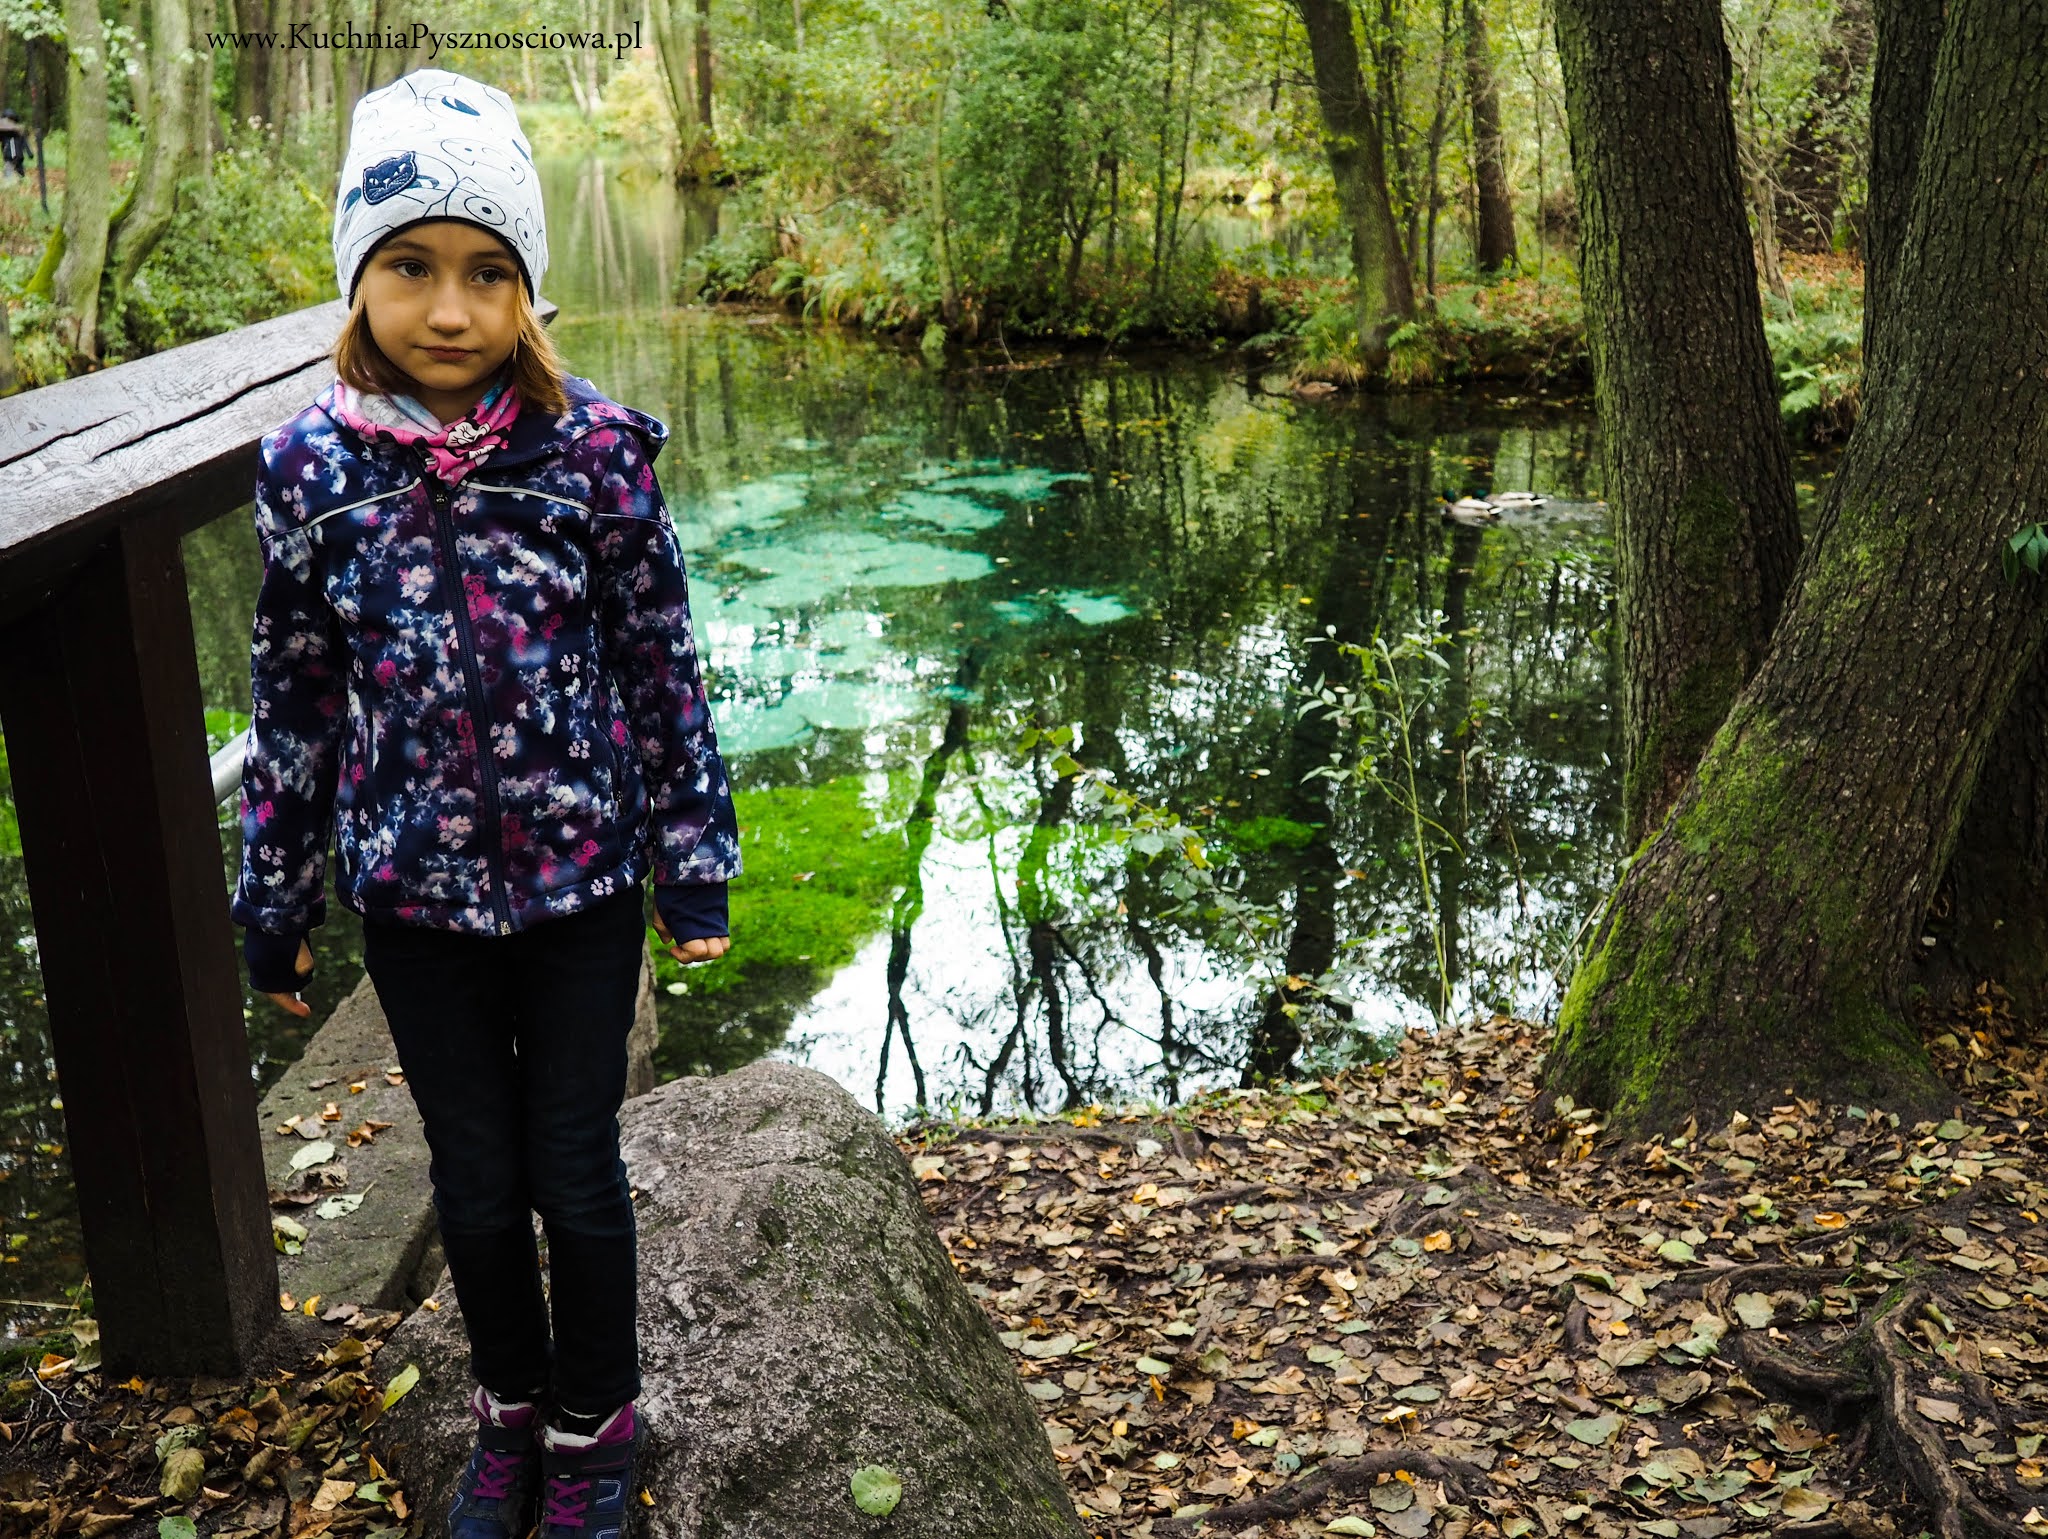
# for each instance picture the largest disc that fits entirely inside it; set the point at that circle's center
(444, 526)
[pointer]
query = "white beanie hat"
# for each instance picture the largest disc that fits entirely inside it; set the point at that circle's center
(437, 145)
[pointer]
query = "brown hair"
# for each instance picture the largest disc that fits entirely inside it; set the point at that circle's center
(536, 366)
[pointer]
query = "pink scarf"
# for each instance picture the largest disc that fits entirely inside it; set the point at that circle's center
(453, 451)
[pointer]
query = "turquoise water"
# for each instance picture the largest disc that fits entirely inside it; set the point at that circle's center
(899, 572)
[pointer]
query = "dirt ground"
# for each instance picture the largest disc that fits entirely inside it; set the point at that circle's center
(1390, 1303)
(1386, 1303)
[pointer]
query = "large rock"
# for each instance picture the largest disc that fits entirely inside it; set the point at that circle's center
(798, 1320)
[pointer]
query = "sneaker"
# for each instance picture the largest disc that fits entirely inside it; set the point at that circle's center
(494, 1496)
(587, 1489)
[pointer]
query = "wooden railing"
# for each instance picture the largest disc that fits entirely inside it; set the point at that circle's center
(100, 479)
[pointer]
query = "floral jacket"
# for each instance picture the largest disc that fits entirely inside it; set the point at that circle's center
(490, 692)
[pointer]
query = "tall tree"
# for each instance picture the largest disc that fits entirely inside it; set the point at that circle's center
(1757, 943)
(1697, 472)
(180, 76)
(701, 159)
(1494, 239)
(1990, 922)
(81, 236)
(672, 55)
(1351, 139)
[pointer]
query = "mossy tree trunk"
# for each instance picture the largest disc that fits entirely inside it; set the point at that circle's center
(178, 74)
(1756, 944)
(1351, 138)
(1494, 238)
(1697, 472)
(75, 287)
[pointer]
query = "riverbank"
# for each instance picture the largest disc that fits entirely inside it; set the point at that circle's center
(1389, 1302)
(1528, 330)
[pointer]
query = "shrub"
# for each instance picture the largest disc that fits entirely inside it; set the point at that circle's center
(251, 242)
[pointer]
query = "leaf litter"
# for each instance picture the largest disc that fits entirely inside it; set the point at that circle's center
(1394, 1302)
(1390, 1302)
(283, 1452)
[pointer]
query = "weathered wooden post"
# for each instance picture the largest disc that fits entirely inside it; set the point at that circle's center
(106, 740)
(100, 479)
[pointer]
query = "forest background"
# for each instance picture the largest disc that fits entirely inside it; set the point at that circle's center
(965, 169)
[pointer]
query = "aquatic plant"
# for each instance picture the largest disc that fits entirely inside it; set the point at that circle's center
(1380, 745)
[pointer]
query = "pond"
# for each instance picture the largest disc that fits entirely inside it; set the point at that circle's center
(926, 595)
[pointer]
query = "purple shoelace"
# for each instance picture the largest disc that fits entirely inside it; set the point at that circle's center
(567, 1501)
(494, 1484)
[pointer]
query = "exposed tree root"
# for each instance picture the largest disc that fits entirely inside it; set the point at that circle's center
(1852, 1520)
(1718, 1282)
(1887, 1397)
(1801, 1380)
(1919, 1449)
(1333, 1476)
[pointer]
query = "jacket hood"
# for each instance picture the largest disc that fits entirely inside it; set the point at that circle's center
(534, 434)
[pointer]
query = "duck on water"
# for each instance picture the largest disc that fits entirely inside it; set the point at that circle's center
(1485, 510)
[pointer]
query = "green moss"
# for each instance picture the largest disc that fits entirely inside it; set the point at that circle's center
(1652, 1040)
(821, 864)
(1708, 526)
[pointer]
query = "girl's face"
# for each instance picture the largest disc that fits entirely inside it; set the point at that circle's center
(442, 300)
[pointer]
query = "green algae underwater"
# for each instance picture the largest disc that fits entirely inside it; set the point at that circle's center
(898, 572)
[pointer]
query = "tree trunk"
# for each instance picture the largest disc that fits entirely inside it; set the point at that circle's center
(1494, 248)
(1763, 202)
(1351, 139)
(700, 156)
(142, 45)
(87, 182)
(1697, 473)
(584, 106)
(1901, 83)
(167, 153)
(671, 53)
(1989, 922)
(253, 66)
(339, 83)
(207, 126)
(1756, 944)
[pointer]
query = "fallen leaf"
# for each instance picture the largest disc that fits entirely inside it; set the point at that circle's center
(1595, 1430)
(1754, 1310)
(876, 1490)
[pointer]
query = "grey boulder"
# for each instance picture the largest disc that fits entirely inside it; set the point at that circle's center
(799, 1321)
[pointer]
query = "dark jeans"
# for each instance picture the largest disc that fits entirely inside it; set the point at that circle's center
(515, 1050)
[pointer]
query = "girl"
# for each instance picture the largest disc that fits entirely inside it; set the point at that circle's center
(473, 661)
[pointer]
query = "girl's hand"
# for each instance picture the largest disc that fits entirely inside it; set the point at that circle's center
(705, 950)
(291, 1004)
